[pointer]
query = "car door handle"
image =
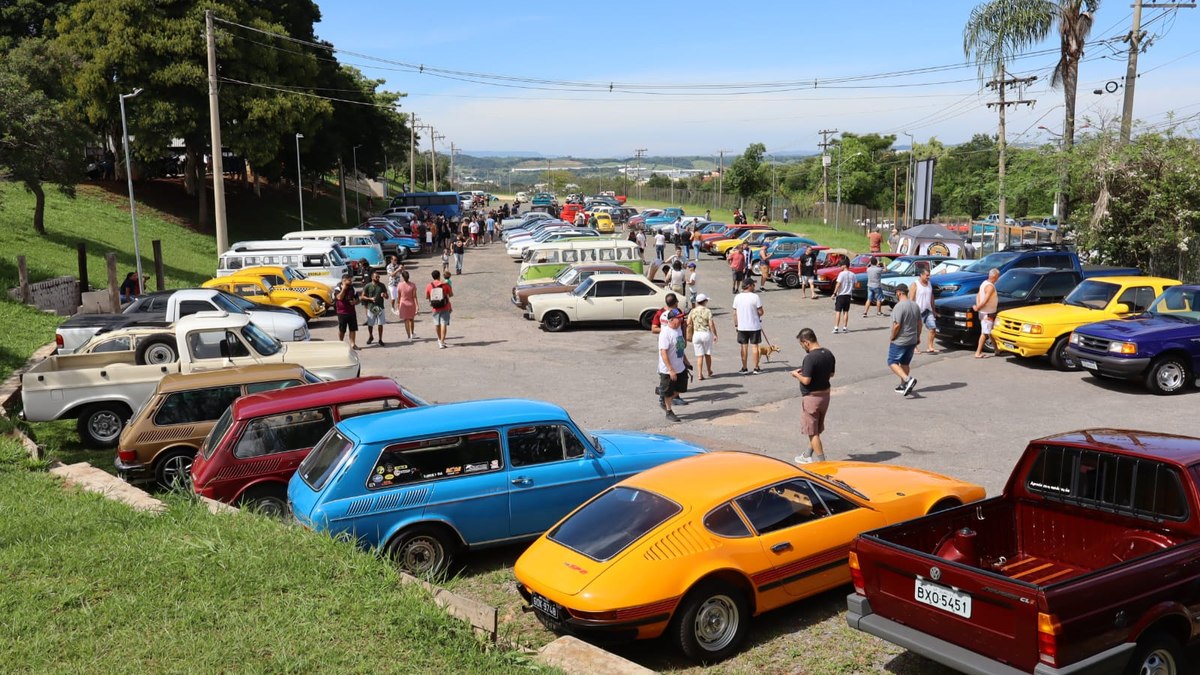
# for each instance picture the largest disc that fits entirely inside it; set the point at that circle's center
(522, 480)
(781, 547)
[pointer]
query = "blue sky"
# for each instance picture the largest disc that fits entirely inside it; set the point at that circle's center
(679, 51)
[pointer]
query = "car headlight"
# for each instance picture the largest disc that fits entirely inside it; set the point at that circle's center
(300, 334)
(948, 288)
(1031, 328)
(962, 315)
(1074, 338)
(1126, 348)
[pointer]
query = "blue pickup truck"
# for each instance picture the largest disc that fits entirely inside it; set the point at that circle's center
(1161, 346)
(969, 280)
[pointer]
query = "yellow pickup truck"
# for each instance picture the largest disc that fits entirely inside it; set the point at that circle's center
(1043, 330)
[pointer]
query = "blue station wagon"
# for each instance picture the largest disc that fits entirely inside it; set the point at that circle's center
(425, 484)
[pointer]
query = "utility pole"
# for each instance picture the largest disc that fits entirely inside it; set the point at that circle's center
(721, 179)
(214, 123)
(895, 193)
(1135, 44)
(910, 171)
(453, 150)
(825, 161)
(639, 153)
(412, 145)
(1000, 84)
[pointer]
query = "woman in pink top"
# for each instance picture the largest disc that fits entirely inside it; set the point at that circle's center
(407, 294)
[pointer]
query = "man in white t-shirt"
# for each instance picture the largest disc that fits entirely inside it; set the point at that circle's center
(747, 321)
(672, 361)
(843, 286)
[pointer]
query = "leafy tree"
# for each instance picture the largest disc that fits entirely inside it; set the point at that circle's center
(39, 136)
(746, 176)
(658, 181)
(24, 19)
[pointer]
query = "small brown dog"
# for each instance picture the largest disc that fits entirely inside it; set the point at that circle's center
(766, 351)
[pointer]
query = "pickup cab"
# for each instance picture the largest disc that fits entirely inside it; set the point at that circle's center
(164, 308)
(102, 390)
(958, 323)
(1088, 562)
(1044, 330)
(970, 279)
(1160, 347)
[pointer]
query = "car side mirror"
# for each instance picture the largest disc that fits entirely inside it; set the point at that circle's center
(1122, 308)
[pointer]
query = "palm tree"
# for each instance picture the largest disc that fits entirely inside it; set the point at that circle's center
(1074, 26)
(996, 32)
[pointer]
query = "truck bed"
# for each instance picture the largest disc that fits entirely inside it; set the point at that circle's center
(62, 384)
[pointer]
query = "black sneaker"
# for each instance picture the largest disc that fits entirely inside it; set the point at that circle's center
(743, 371)
(672, 416)
(900, 387)
(910, 385)
(371, 339)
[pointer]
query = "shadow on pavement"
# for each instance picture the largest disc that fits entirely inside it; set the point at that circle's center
(880, 456)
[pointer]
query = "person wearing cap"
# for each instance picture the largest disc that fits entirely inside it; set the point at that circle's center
(691, 284)
(747, 321)
(906, 333)
(702, 332)
(672, 361)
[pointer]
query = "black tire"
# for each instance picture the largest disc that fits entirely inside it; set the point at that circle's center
(157, 350)
(555, 321)
(422, 551)
(791, 280)
(1157, 654)
(1059, 358)
(100, 424)
(173, 469)
(1168, 375)
(268, 500)
(711, 623)
(646, 320)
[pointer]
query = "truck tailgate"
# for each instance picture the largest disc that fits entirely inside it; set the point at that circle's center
(978, 610)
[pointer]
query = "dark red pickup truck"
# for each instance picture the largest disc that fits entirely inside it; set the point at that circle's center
(1088, 562)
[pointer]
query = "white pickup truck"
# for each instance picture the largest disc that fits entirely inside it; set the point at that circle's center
(102, 390)
(164, 308)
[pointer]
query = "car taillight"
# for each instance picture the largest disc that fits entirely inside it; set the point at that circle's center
(856, 575)
(1048, 627)
(126, 455)
(58, 339)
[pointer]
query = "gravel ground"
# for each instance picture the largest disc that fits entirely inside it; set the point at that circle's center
(969, 418)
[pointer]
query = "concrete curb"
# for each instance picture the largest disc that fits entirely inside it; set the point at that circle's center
(576, 657)
(89, 478)
(481, 616)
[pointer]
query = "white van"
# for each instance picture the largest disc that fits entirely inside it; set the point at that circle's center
(356, 244)
(322, 261)
(545, 260)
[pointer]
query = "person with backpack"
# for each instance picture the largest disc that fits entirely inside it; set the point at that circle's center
(438, 293)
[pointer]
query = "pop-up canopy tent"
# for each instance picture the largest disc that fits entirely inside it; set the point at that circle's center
(930, 239)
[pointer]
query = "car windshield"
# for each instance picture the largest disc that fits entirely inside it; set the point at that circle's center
(1092, 294)
(267, 285)
(214, 437)
(316, 469)
(568, 276)
(583, 288)
(1015, 285)
(293, 274)
(994, 260)
(232, 303)
(611, 522)
(261, 342)
(1179, 303)
(899, 266)
(945, 267)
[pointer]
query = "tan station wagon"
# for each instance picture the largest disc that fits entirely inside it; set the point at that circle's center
(161, 440)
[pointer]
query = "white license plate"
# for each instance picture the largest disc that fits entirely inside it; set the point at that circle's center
(935, 595)
(1009, 345)
(1090, 365)
(545, 606)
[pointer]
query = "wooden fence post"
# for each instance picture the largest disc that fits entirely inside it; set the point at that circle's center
(81, 254)
(23, 275)
(160, 282)
(114, 292)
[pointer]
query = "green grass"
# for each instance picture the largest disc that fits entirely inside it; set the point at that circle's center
(92, 586)
(25, 329)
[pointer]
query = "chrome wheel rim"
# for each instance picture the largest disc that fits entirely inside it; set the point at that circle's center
(177, 471)
(421, 555)
(716, 623)
(1158, 662)
(105, 426)
(159, 354)
(1169, 376)
(269, 506)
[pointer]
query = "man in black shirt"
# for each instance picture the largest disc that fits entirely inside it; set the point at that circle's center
(814, 375)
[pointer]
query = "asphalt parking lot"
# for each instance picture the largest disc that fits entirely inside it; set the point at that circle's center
(969, 418)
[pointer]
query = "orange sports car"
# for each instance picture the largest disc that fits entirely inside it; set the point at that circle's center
(692, 549)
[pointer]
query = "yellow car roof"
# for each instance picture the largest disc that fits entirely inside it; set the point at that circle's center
(713, 477)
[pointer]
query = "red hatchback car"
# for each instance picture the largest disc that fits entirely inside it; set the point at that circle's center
(828, 275)
(255, 447)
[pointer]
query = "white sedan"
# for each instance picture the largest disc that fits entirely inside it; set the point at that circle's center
(600, 298)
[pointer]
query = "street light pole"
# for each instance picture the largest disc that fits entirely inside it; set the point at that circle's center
(357, 184)
(137, 249)
(837, 217)
(909, 197)
(299, 181)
